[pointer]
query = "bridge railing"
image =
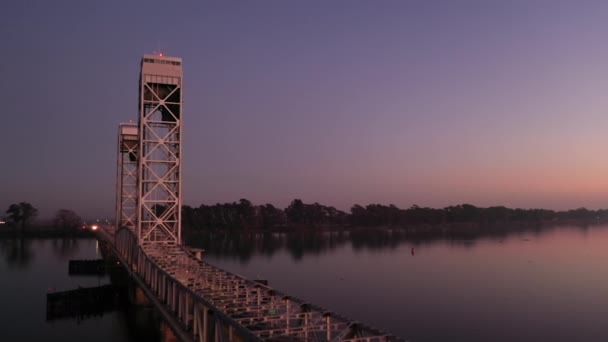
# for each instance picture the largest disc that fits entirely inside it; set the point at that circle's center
(196, 316)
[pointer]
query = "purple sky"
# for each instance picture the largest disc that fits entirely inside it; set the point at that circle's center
(339, 102)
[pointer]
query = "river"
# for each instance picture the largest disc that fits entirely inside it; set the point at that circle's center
(30, 268)
(537, 285)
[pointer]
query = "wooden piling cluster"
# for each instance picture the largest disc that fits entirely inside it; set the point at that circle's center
(87, 267)
(83, 302)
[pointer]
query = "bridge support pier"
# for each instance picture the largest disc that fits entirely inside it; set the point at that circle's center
(137, 297)
(166, 334)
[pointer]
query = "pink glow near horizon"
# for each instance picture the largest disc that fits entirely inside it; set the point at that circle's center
(339, 103)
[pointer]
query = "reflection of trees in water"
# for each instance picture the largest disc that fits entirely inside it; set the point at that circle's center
(311, 242)
(225, 244)
(270, 243)
(17, 251)
(299, 244)
(65, 248)
(375, 239)
(244, 245)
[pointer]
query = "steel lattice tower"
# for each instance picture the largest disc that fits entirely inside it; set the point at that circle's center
(126, 186)
(159, 162)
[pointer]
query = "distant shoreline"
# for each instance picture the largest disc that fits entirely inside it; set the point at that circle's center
(44, 232)
(415, 231)
(422, 231)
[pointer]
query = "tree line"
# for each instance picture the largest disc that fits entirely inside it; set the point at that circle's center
(22, 214)
(243, 215)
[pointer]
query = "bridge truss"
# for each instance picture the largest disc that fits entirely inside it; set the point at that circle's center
(210, 304)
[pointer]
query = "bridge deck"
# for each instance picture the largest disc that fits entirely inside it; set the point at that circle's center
(267, 314)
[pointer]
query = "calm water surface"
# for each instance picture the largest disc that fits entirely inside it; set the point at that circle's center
(29, 268)
(549, 285)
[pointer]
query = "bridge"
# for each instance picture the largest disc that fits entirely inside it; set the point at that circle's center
(197, 300)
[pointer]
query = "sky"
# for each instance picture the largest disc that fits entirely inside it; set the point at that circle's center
(433, 103)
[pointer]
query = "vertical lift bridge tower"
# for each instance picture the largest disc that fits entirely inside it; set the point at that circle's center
(159, 153)
(126, 201)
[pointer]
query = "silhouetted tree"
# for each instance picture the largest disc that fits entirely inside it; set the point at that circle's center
(295, 211)
(271, 217)
(246, 214)
(358, 216)
(159, 209)
(314, 214)
(14, 214)
(335, 216)
(66, 219)
(21, 213)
